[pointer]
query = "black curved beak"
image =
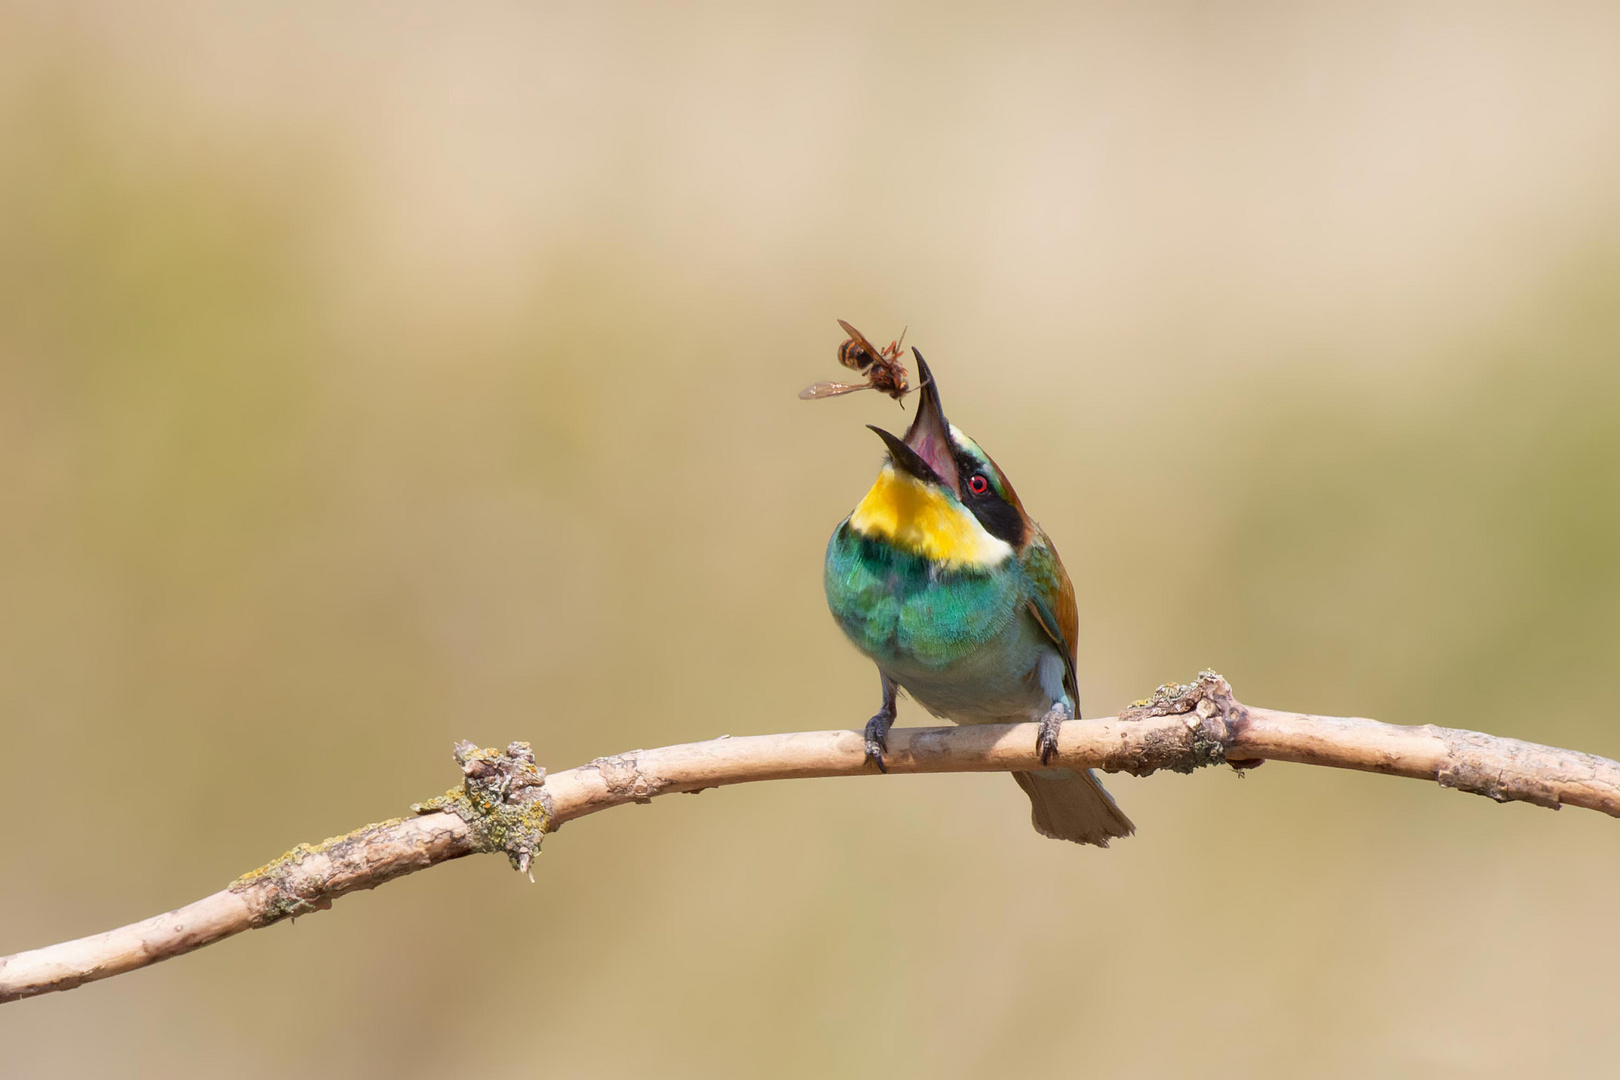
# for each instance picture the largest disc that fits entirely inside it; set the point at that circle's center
(906, 459)
(929, 436)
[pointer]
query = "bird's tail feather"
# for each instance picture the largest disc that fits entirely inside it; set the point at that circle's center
(1072, 805)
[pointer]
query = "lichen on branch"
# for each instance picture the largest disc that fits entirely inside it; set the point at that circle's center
(502, 798)
(501, 805)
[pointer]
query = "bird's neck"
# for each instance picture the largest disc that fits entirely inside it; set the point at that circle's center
(924, 520)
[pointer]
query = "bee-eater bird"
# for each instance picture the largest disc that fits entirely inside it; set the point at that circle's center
(959, 598)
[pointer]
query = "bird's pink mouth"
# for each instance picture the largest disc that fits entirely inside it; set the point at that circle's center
(936, 450)
(930, 434)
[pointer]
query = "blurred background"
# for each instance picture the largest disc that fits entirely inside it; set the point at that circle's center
(378, 375)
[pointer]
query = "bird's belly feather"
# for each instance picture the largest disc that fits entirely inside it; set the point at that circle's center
(996, 684)
(961, 643)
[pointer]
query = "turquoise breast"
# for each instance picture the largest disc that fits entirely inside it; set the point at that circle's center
(904, 612)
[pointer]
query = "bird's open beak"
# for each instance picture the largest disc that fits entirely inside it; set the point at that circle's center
(926, 451)
(929, 435)
(906, 459)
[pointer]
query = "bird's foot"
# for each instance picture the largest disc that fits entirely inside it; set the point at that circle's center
(877, 738)
(1046, 741)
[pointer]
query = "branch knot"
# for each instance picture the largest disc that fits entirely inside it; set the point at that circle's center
(502, 798)
(623, 775)
(1211, 714)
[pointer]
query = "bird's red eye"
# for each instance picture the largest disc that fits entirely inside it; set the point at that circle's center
(978, 485)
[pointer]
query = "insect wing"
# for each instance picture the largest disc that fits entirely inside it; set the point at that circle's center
(817, 391)
(860, 340)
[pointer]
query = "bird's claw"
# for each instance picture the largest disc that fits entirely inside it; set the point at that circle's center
(1046, 740)
(877, 739)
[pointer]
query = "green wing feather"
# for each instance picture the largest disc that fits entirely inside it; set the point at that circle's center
(1051, 603)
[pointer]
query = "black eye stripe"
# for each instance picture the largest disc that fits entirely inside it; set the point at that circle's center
(999, 517)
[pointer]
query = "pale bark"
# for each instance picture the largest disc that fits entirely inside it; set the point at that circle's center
(506, 804)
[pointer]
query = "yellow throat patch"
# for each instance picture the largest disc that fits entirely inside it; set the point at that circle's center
(919, 518)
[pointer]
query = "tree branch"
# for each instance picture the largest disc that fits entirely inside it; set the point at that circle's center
(506, 803)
